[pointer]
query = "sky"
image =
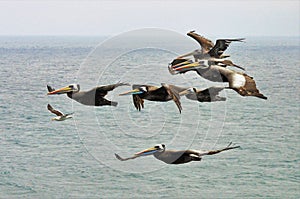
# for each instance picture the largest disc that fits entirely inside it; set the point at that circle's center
(103, 17)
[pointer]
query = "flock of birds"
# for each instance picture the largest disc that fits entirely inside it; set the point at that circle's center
(209, 62)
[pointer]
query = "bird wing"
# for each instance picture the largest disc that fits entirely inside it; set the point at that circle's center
(171, 90)
(69, 114)
(52, 110)
(221, 45)
(212, 152)
(138, 102)
(102, 90)
(50, 89)
(124, 159)
(206, 44)
(178, 89)
(250, 89)
(212, 91)
(228, 62)
(112, 86)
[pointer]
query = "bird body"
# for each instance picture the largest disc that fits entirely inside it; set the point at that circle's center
(164, 93)
(208, 48)
(175, 156)
(93, 97)
(60, 116)
(211, 51)
(178, 157)
(240, 82)
(206, 95)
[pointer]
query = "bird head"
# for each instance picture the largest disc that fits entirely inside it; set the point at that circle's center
(140, 90)
(74, 88)
(187, 66)
(157, 148)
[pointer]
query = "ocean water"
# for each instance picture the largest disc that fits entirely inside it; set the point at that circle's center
(75, 158)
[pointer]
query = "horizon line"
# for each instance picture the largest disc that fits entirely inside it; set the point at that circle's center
(110, 35)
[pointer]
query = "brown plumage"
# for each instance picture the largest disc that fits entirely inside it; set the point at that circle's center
(164, 93)
(210, 94)
(249, 88)
(52, 110)
(210, 51)
(175, 156)
(60, 115)
(240, 82)
(208, 47)
(205, 43)
(93, 97)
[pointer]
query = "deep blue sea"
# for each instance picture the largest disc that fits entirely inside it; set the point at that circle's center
(40, 158)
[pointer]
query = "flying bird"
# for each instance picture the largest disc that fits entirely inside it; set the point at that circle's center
(207, 95)
(175, 156)
(211, 51)
(60, 116)
(93, 97)
(239, 82)
(208, 48)
(164, 93)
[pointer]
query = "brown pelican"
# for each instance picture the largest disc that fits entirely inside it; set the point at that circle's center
(206, 95)
(152, 93)
(93, 97)
(208, 48)
(60, 115)
(211, 51)
(240, 82)
(174, 156)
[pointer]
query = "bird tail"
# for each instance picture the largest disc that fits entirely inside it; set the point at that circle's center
(259, 95)
(114, 103)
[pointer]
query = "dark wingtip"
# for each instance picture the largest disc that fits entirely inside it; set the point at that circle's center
(117, 156)
(229, 146)
(119, 83)
(49, 88)
(125, 84)
(114, 103)
(259, 95)
(240, 67)
(192, 31)
(240, 39)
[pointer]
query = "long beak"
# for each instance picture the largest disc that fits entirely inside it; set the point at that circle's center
(132, 92)
(149, 151)
(60, 91)
(181, 64)
(186, 55)
(185, 92)
(188, 66)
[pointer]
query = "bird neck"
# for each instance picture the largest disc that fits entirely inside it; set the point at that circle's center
(157, 154)
(70, 94)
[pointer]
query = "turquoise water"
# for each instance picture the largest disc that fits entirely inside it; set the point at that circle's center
(75, 158)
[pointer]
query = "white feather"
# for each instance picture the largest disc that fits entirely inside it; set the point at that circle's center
(238, 80)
